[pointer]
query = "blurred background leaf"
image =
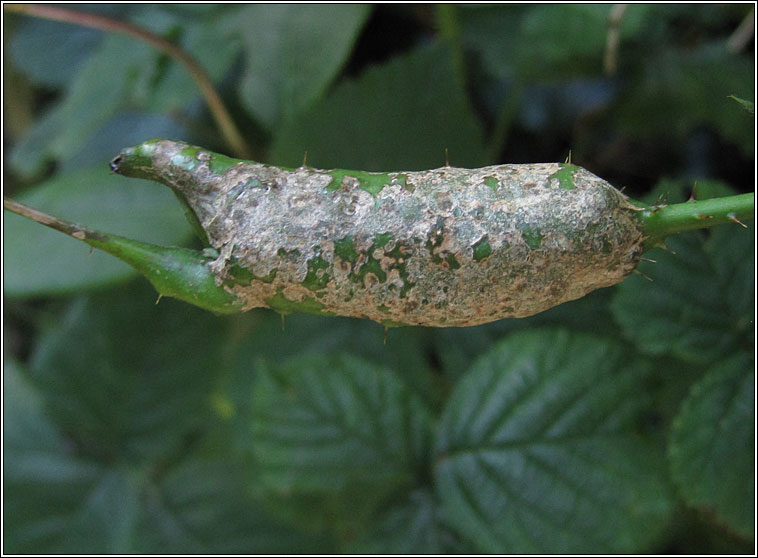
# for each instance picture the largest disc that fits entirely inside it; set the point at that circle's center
(44, 486)
(282, 77)
(389, 118)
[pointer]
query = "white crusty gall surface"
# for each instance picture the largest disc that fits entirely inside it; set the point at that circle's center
(443, 247)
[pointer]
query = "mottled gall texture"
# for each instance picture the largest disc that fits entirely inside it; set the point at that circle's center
(443, 247)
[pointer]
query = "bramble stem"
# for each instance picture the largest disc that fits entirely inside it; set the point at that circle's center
(660, 222)
(223, 119)
(174, 272)
(44, 219)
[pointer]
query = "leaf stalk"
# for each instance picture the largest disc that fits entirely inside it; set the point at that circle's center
(175, 272)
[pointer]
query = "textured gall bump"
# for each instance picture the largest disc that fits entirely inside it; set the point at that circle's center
(443, 247)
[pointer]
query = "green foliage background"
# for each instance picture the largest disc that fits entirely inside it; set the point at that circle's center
(621, 422)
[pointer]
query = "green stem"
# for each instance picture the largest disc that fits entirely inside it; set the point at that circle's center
(175, 272)
(223, 119)
(660, 222)
(508, 112)
(450, 30)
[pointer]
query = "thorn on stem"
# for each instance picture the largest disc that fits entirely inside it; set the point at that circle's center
(568, 158)
(305, 159)
(660, 203)
(692, 194)
(703, 216)
(157, 300)
(447, 158)
(648, 260)
(638, 272)
(733, 218)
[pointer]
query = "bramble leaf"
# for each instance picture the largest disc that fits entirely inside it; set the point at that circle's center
(698, 306)
(458, 348)
(411, 527)
(325, 423)
(712, 445)
(50, 497)
(268, 342)
(118, 402)
(181, 515)
(537, 450)
(123, 478)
